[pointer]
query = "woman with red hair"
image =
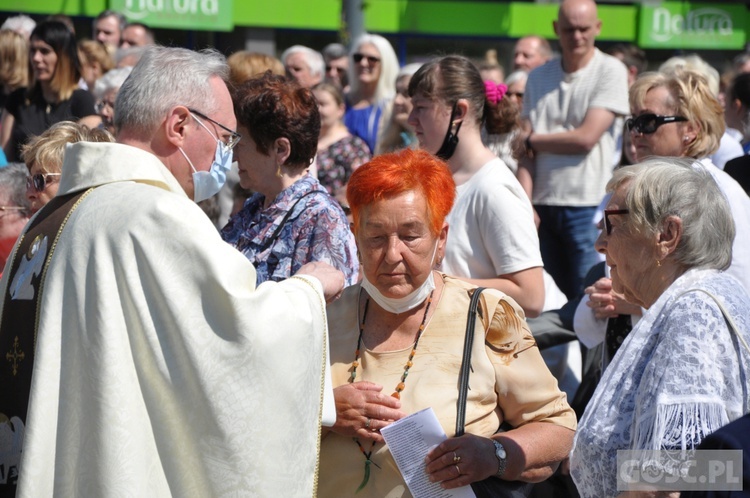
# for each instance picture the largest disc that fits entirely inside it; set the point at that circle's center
(400, 329)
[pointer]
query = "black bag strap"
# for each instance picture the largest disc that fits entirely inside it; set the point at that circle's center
(463, 379)
(268, 242)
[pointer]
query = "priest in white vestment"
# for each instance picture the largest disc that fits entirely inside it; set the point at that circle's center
(159, 369)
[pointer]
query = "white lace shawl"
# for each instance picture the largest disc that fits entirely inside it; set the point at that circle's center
(675, 380)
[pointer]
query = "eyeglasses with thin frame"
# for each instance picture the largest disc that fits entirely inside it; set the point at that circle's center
(39, 181)
(5, 210)
(649, 123)
(370, 59)
(610, 212)
(234, 137)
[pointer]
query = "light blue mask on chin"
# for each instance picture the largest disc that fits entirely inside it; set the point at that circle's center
(206, 184)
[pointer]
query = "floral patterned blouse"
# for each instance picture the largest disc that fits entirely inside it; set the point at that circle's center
(338, 160)
(315, 230)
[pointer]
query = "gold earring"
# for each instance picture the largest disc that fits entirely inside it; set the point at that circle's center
(658, 263)
(278, 171)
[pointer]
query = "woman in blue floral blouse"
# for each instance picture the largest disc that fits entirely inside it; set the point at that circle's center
(291, 219)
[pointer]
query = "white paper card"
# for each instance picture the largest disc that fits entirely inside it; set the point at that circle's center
(410, 439)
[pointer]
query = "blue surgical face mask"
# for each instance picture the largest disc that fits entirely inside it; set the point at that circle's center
(208, 183)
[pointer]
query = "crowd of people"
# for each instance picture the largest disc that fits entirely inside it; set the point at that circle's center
(227, 275)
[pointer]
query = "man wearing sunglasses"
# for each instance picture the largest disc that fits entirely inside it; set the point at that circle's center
(570, 105)
(158, 367)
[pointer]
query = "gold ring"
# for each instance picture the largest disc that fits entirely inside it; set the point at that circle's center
(367, 423)
(456, 458)
(458, 470)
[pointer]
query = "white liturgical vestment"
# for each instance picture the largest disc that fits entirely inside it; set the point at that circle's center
(160, 368)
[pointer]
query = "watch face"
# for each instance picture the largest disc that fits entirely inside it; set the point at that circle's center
(500, 451)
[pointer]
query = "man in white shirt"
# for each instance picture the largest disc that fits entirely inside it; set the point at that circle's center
(569, 107)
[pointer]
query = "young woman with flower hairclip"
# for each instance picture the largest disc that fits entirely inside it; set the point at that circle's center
(493, 241)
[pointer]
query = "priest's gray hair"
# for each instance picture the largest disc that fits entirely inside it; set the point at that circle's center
(163, 79)
(667, 186)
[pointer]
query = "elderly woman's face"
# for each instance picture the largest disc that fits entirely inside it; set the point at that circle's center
(630, 256)
(256, 170)
(398, 250)
(669, 139)
(50, 178)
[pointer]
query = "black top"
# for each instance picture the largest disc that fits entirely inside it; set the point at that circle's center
(739, 169)
(34, 116)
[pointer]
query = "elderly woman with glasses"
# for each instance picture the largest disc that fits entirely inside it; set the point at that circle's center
(675, 113)
(43, 156)
(682, 371)
(372, 77)
(291, 219)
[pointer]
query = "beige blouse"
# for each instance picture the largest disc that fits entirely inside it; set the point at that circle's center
(510, 382)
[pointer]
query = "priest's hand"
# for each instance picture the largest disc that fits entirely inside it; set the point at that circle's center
(331, 278)
(362, 410)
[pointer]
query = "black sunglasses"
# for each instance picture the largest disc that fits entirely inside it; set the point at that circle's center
(608, 213)
(358, 58)
(648, 123)
(39, 181)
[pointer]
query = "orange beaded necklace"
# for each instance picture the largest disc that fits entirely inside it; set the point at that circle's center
(399, 387)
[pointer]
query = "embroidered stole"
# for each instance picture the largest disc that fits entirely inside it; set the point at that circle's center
(18, 328)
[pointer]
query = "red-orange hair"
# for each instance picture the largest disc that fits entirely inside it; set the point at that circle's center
(389, 175)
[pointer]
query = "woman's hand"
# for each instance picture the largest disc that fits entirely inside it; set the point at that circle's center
(606, 303)
(362, 410)
(461, 460)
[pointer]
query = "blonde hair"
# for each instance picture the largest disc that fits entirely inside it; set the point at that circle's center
(14, 54)
(48, 149)
(90, 51)
(690, 97)
(244, 65)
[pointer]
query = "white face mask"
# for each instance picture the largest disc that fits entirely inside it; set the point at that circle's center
(401, 304)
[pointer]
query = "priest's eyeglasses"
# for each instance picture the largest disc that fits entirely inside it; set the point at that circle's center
(234, 137)
(608, 213)
(649, 123)
(39, 181)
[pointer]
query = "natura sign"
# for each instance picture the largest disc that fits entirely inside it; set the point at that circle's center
(692, 26)
(205, 15)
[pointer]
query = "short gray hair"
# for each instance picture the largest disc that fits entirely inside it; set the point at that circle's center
(112, 80)
(21, 24)
(312, 57)
(667, 186)
(517, 76)
(13, 182)
(165, 78)
(334, 51)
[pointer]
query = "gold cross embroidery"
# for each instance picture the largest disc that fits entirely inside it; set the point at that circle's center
(15, 356)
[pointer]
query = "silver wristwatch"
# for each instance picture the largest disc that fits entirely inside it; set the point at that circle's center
(501, 458)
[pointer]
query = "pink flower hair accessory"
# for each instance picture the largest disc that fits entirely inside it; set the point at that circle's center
(494, 91)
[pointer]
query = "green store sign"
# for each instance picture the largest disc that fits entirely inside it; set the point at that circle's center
(209, 15)
(695, 26)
